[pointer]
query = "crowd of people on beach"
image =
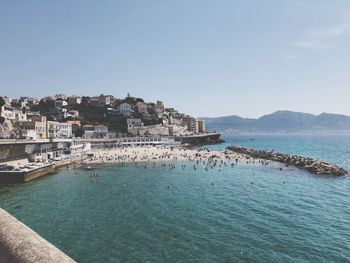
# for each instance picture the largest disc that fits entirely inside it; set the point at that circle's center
(168, 157)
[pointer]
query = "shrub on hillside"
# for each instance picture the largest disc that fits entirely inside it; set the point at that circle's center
(2, 102)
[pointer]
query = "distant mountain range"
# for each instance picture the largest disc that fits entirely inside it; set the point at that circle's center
(281, 122)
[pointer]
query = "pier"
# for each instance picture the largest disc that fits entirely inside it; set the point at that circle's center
(28, 175)
(25, 176)
(311, 165)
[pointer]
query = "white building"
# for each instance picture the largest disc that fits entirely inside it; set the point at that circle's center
(125, 109)
(29, 134)
(140, 141)
(64, 130)
(95, 131)
(51, 129)
(78, 146)
(10, 113)
(133, 123)
(59, 130)
(60, 103)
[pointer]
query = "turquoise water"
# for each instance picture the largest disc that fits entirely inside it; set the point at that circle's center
(304, 219)
(331, 148)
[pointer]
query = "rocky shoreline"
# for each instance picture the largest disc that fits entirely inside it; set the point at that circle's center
(311, 165)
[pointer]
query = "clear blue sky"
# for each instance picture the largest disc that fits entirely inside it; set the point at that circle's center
(205, 58)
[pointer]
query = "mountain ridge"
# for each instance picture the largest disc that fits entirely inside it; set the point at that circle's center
(282, 121)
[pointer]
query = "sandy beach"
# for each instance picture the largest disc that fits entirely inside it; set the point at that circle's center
(150, 154)
(164, 153)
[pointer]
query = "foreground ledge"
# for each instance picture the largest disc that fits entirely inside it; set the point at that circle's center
(20, 244)
(311, 165)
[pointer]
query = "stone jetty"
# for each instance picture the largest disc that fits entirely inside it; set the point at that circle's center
(311, 165)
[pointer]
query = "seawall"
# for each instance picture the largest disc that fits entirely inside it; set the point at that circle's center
(26, 176)
(201, 139)
(311, 165)
(21, 176)
(12, 152)
(20, 244)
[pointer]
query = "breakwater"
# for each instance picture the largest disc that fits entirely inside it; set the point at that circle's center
(311, 165)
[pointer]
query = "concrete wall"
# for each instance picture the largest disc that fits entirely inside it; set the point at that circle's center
(21, 177)
(209, 138)
(20, 244)
(12, 151)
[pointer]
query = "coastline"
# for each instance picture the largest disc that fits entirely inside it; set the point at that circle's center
(231, 154)
(153, 154)
(241, 186)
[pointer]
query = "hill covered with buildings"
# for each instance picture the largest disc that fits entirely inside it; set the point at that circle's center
(103, 116)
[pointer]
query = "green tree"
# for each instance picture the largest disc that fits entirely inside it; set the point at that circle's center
(14, 104)
(79, 132)
(2, 102)
(138, 115)
(85, 101)
(130, 100)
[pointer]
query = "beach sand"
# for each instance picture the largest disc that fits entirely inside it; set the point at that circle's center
(151, 154)
(158, 153)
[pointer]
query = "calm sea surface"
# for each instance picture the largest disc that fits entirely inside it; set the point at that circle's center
(305, 219)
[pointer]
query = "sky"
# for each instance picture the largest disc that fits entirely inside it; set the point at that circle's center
(205, 58)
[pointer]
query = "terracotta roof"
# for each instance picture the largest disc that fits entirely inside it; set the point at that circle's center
(73, 122)
(100, 125)
(88, 126)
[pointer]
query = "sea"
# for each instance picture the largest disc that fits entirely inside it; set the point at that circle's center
(246, 213)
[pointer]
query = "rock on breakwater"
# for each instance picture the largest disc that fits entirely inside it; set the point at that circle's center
(311, 165)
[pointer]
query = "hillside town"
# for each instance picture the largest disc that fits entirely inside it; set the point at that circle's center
(100, 117)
